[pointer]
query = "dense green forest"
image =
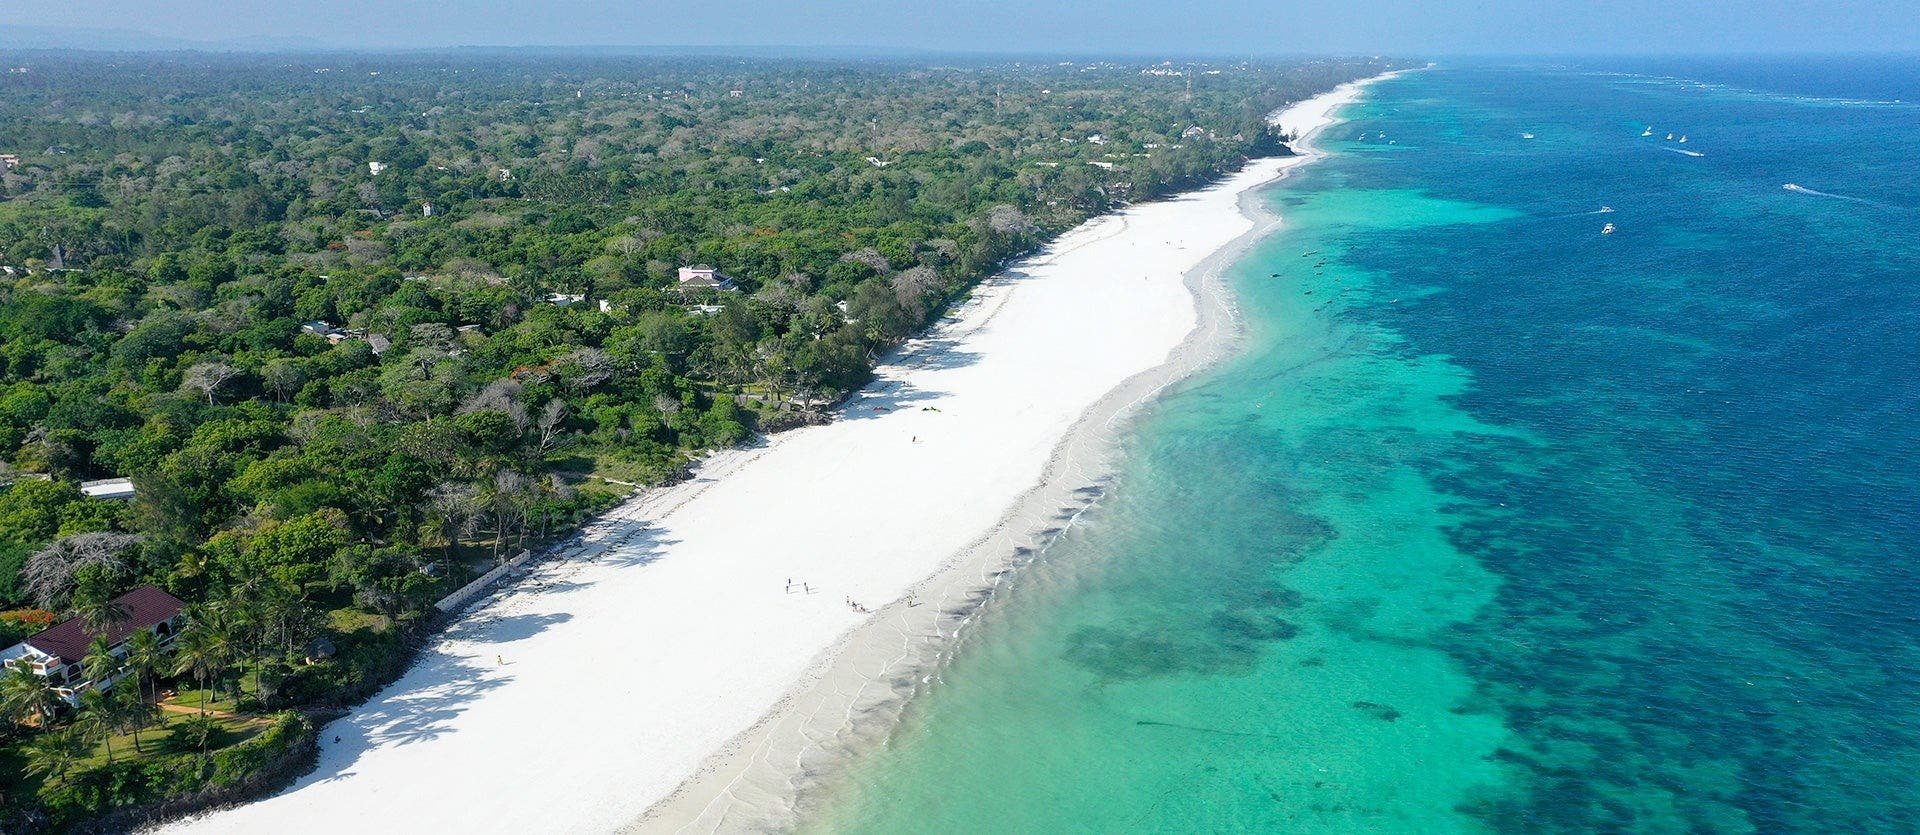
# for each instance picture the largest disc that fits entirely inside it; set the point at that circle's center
(359, 326)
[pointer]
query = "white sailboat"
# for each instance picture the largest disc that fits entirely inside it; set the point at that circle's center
(1648, 131)
(1669, 137)
(1683, 137)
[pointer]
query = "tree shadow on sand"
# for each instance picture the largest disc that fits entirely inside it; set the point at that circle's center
(423, 705)
(891, 396)
(506, 629)
(619, 542)
(413, 711)
(642, 545)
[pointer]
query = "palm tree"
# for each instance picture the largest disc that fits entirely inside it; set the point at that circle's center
(136, 713)
(454, 506)
(98, 719)
(97, 610)
(100, 665)
(144, 656)
(234, 629)
(26, 694)
(54, 754)
(224, 627)
(507, 496)
(197, 653)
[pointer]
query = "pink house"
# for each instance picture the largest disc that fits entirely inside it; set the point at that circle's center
(703, 277)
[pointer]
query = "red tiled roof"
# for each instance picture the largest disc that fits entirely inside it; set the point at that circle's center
(144, 607)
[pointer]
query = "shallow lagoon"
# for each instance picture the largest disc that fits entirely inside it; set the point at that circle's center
(1495, 522)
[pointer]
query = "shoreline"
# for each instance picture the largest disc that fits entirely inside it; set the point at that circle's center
(855, 695)
(651, 676)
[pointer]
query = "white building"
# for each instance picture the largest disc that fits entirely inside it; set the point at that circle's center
(118, 489)
(58, 652)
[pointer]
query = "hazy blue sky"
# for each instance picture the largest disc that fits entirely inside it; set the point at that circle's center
(1173, 26)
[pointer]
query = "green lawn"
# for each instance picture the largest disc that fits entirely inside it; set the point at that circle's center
(195, 698)
(153, 740)
(347, 620)
(606, 465)
(16, 782)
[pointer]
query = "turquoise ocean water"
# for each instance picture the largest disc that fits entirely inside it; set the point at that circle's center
(1495, 522)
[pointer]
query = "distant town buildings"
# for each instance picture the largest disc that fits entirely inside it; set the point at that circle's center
(703, 277)
(13, 270)
(334, 336)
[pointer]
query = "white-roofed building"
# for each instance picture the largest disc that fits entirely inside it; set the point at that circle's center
(120, 489)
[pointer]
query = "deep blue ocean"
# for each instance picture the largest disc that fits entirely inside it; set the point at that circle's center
(1497, 522)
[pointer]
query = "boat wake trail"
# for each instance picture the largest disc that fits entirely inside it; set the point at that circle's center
(1682, 151)
(1796, 187)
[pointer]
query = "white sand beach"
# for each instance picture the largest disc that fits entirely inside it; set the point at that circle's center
(705, 626)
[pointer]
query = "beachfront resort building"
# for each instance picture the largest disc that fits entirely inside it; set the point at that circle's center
(56, 653)
(703, 277)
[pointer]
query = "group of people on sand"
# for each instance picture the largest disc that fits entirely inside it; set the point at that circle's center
(911, 599)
